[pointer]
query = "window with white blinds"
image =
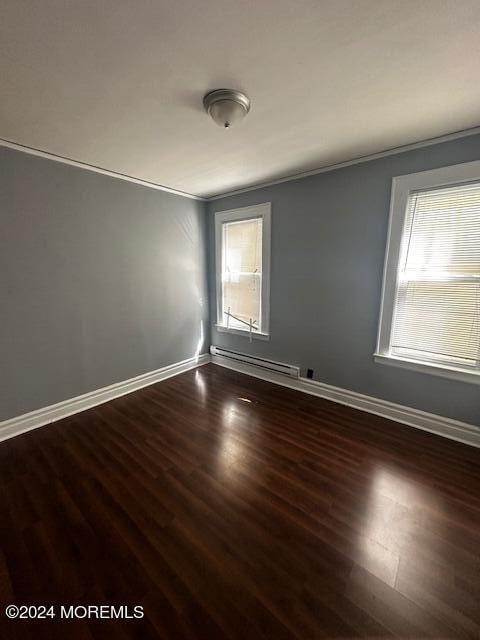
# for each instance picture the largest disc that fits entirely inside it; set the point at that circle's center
(435, 285)
(242, 269)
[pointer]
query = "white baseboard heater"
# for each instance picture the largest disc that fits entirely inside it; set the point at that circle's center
(269, 365)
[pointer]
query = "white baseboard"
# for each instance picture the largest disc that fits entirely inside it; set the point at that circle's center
(46, 415)
(446, 427)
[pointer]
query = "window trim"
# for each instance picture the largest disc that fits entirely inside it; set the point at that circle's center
(402, 186)
(235, 215)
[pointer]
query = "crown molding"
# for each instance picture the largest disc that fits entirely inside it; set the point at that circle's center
(296, 176)
(348, 163)
(90, 167)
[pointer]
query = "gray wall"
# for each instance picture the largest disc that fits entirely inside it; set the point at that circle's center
(329, 234)
(100, 280)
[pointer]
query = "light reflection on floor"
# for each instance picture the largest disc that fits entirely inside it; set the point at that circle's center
(393, 520)
(235, 414)
(201, 385)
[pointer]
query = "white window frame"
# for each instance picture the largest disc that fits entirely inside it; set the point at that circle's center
(235, 215)
(402, 186)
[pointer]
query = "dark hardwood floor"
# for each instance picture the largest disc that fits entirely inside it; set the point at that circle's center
(229, 507)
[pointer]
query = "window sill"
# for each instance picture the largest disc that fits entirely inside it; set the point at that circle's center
(241, 332)
(427, 367)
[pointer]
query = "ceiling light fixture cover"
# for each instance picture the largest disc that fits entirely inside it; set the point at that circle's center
(226, 106)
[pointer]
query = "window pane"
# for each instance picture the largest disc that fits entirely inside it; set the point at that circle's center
(242, 297)
(442, 231)
(437, 303)
(242, 272)
(438, 321)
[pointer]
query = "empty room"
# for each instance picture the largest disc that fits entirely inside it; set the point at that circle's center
(239, 319)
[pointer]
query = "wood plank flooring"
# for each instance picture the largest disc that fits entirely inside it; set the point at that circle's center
(228, 507)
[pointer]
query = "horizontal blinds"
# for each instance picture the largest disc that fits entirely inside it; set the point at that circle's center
(437, 302)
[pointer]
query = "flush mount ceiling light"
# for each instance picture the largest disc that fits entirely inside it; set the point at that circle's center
(226, 106)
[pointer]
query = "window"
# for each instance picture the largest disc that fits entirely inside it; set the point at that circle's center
(430, 317)
(242, 238)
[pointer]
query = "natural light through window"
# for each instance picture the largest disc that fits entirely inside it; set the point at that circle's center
(435, 315)
(437, 300)
(242, 269)
(242, 273)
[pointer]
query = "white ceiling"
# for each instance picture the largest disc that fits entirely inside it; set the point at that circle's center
(119, 83)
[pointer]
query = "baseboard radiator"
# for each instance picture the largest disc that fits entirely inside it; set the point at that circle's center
(268, 365)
